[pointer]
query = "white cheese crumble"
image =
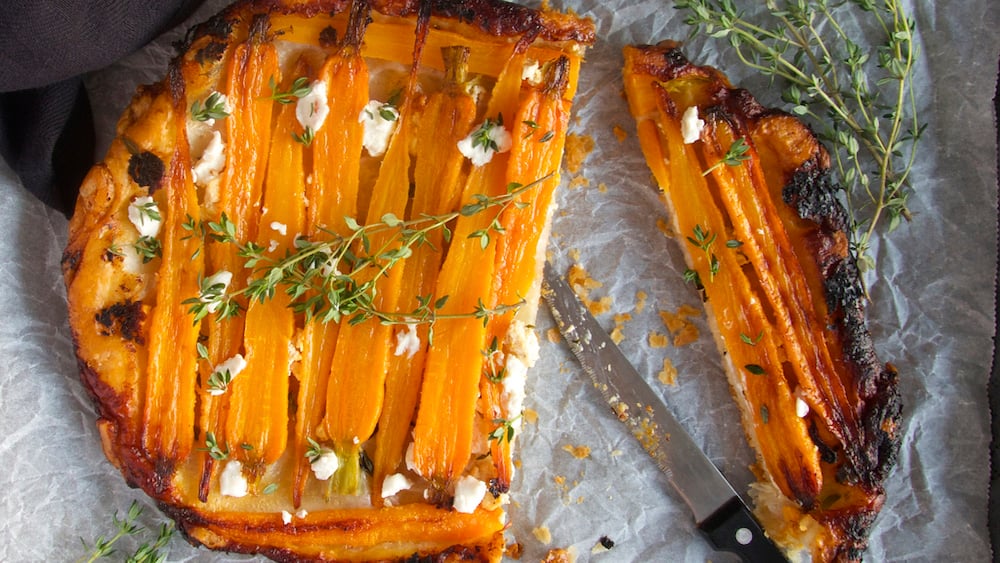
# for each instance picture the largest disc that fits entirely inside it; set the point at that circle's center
(516, 375)
(691, 126)
(532, 72)
(231, 481)
(407, 341)
(395, 483)
(225, 277)
(272, 245)
(801, 407)
(411, 463)
(234, 366)
(311, 110)
(142, 212)
(324, 466)
(301, 513)
(279, 227)
(479, 145)
(212, 161)
(469, 492)
(378, 129)
(286, 517)
(523, 342)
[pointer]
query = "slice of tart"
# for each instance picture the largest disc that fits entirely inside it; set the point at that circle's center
(302, 281)
(754, 208)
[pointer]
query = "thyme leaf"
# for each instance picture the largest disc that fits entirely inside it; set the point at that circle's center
(213, 108)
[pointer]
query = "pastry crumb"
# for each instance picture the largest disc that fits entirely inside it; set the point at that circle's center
(658, 340)
(574, 254)
(640, 301)
(604, 544)
(579, 182)
(578, 147)
(664, 228)
(579, 452)
(542, 534)
(680, 326)
(529, 415)
(553, 335)
(668, 375)
(602, 187)
(560, 555)
(514, 550)
(620, 133)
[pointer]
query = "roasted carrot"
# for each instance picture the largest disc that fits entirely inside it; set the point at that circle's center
(540, 131)
(169, 408)
(333, 194)
(258, 408)
(443, 434)
(446, 119)
(247, 134)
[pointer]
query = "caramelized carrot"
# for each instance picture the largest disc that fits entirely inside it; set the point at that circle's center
(446, 119)
(248, 134)
(333, 194)
(443, 434)
(540, 131)
(258, 407)
(357, 376)
(169, 409)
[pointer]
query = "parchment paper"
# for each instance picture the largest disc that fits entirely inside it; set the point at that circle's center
(932, 315)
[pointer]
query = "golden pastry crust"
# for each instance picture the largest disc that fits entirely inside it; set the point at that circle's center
(765, 238)
(175, 423)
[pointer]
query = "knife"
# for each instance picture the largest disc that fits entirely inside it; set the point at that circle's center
(719, 512)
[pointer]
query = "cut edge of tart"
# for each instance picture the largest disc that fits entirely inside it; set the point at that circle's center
(301, 284)
(764, 236)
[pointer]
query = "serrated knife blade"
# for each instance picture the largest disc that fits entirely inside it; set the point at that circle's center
(719, 512)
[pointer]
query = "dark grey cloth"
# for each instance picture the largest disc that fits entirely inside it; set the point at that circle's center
(46, 130)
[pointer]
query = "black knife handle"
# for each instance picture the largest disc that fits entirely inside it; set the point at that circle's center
(733, 528)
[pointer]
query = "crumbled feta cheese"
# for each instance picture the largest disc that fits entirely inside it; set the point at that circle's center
(286, 517)
(311, 110)
(234, 366)
(378, 129)
(231, 481)
(407, 341)
(212, 161)
(273, 245)
(469, 492)
(143, 213)
(325, 466)
(516, 375)
(523, 342)
(395, 483)
(301, 513)
(691, 126)
(801, 407)
(279, 228)
(478, 145)
(225, 277)
(532, 72)
(411, 464)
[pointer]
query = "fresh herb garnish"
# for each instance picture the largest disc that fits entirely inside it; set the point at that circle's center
(482, 137)
(306, 138)
(863, 105)
(214, 108)
(315, 450)
(300, 88)
(148, 248)
(736, 154)
(751, 341)
(755, 369)
(213, 448)
(219, 381)
(504, 431)
(704, 240)
(492, 368)
(322, 276)
(147, 553)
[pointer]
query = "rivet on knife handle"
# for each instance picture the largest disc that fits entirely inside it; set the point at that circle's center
(718, 510)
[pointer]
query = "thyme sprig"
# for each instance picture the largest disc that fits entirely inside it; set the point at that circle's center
(332, 279)
(300, 88)
(704, 239)
(213, 108)
(735, 154)
(863, 106)
(146, 553)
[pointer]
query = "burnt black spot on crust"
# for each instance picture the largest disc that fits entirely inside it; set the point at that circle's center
(328, 37)
(146, 169)
(813, 195)
(124, 319)
(71, 260)
(211, 52)
(497, 488)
